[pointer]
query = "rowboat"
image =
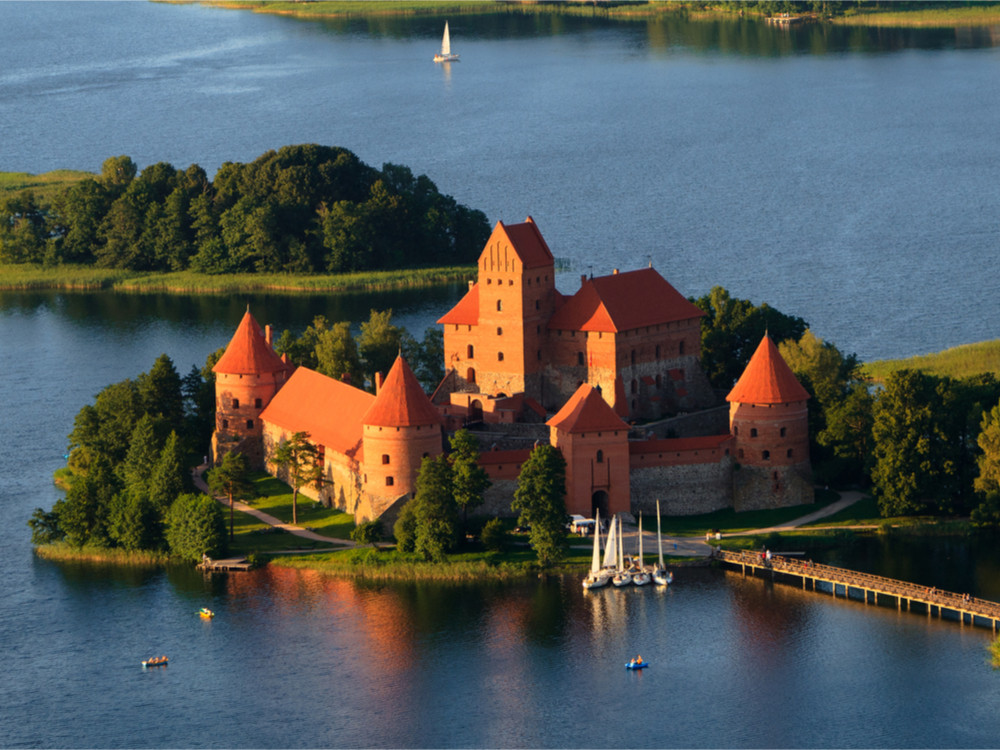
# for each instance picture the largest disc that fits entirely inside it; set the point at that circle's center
(206, 614)
(156, 661)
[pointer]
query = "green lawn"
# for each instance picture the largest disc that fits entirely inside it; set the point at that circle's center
(275, 497)
(728, 520)
(957, 362)
(45, 186)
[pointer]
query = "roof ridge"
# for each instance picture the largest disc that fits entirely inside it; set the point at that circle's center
(401, 401)
(767, 379)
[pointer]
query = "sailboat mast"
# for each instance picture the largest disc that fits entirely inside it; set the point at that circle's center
(659, 539)
(640, 540)
(595, 562)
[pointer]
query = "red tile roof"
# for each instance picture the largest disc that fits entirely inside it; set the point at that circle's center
(401, 401)
(623, 302)
(767, 379)
(527, 242)
(466, 312)
(248, 353)
(329, 410)
(586, 411)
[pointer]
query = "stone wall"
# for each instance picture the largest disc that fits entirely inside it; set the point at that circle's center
(714, 421)
(757, 488)
(683, 490)
(497, 499)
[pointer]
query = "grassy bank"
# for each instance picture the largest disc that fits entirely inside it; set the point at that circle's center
(45, 185)
(24, 277)
(65, 553)
(957, 362)
(953, 16)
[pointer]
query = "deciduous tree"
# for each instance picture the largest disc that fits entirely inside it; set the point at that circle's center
(540, 500)
(300, 461)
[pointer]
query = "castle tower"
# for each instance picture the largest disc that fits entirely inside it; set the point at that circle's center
(399, 429)
(247, 376)
(495, 337)
(594, 442)
(770, 426)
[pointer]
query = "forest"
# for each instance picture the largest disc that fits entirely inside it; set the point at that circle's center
(301, 209)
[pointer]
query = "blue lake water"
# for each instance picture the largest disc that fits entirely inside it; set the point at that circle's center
(847, 177)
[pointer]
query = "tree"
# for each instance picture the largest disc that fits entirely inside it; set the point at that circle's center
(380, 342)
(368, 532)
(469, 479)
(405, 528)
(336, 354)
(848, 432)
(143, 453)
(540, 499)
(300, 460)
(134, 523)
(435, 511)
(161, 391)
(232, 479)
(195, 527)
(988, 462)
(494, 536)
(45, 527)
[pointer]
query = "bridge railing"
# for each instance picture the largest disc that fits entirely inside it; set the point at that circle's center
(881, 584)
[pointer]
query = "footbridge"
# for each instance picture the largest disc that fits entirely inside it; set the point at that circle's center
(962, 608)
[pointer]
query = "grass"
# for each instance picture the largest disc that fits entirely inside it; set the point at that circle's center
(65, 553)
(957, 362)
(45, 185)
(956, 15)
(275, 497)
(22, 277)
(728, 520)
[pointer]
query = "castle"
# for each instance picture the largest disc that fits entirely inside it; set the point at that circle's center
(526, 363)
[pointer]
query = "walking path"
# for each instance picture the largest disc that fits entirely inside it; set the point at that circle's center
(267, 518)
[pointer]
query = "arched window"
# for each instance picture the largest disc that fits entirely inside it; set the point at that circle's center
(753, 432)
(470, 375)
(385, 458)
(600, 456)
(782, 432)
(499, 331)
(249, 424)
(499, 356)
(470, 352)
(225, 424)
(499, 305)
(767, 455)
(236, 403)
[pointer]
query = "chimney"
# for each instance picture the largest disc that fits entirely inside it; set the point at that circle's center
(378, 382)
(583, 279)
(268, 334)
(615, 272)
(471, 284)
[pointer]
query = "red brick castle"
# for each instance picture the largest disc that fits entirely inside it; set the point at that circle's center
(526, 363)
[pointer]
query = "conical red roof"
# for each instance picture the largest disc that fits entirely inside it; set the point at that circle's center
(248, 353)
(767, 379)
(586, 411)
(401, 402)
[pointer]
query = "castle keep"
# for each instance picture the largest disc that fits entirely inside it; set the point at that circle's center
(595, 373)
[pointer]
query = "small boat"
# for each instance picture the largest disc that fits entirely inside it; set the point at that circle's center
(156, 661)
(206, 613)
(661, 576)
(637, 665)
(597, 577)
(639, 576)
(446, 55)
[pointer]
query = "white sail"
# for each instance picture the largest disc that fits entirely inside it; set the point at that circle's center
(659, 539)
(621, 547)
(446, 41)
(640, 540)
(595, 563)
(611, 550)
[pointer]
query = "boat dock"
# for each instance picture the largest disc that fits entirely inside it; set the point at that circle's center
(868, 587)
(232, 563)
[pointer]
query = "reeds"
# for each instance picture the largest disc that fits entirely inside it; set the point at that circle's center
(957, 362)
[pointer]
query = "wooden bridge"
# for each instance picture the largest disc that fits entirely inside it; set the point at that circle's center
(932, 600)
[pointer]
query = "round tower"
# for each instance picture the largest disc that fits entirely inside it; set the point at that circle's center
(399, 429)
(247, 376)
(769, 422)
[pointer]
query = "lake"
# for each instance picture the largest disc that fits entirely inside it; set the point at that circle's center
(848, 177)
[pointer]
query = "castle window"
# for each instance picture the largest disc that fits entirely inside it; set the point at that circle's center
(499, 305)
(736, 430)
(510, 282)
(782, 432)
(499, 331)
(389, 481)
(236, 403)
(257, 403)
(740, 453)
(633, 356)
(579, 358)
(469, 352)
(789, 454)
(385, 458)
(249, 424)
(767, 455)
(499, 356)
(470, 375)
(538, 305)
(600, 457)
(635, 385)
(489, 281)
(225, 424)
(539, 355)
(753, 432)
(680, 348)
(657, 351)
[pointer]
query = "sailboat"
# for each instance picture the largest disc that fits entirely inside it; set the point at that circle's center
(639, 576)
(598, 576)
(446, 55)
(661, 575)
(622, 576)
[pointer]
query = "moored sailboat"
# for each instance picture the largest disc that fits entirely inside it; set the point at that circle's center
(446, 55)
(661, 575)
(639, 576)
(598, 576)
(622, 576)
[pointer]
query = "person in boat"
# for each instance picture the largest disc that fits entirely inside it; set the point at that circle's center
(638, 659)
(632, 663)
